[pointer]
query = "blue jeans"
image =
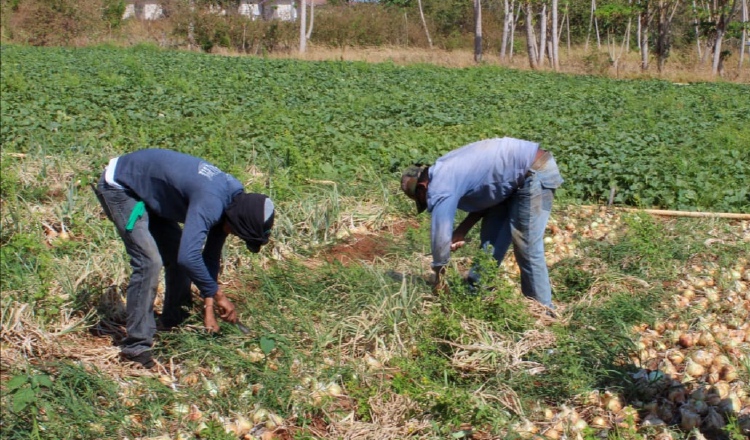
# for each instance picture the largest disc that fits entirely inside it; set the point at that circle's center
(521, 220)
(154, 242)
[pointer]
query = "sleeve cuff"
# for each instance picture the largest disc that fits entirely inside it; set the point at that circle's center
(208, 295)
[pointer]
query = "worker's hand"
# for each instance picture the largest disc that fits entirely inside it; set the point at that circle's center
(209, 319)
(226, 307)
(458, 240)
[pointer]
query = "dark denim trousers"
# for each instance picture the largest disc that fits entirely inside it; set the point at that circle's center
(521, 220)
(153, 243)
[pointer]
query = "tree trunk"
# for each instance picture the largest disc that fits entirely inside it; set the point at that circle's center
(743, 42)
(513, 28)
(567, 25)
(662, 43)
(191, 26)
(302, 26)
(312, 19)
(644, 39)
(555, 38)
(716, 66)
(530, 37)
(592, 21)
(696, 24)
(424, 23)
(542, 35)
(477, 31)
(508, 14)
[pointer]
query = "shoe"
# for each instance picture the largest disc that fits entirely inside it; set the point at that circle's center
(143, 358)
(551, 311)
(161, 326)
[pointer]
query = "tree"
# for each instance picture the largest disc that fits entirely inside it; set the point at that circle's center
(302, 27)
(718, 15)
(743, 42)
(424, 23)
(478, 30)
(531, 36)
(555, 38)
(666, 10)
(312, 19)
(593, 22)
(507, 26)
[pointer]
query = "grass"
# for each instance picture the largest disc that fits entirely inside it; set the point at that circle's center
(452, 357)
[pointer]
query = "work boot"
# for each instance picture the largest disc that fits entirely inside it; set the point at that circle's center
(144, 359)
(168, 321)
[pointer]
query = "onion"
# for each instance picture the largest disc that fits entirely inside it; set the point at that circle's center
(690, 420)
(653, 420)
(180, 409)
(686, 340)
(698, 394)
(599, 422)
(525, 429)
(260, 415)
(195, 413)
(731, 405)
(334, 389)
(612, 402)
(243, 425)
(200, 428)
(701, 407)
(694, 369)
(729, 373)
(665, 411)
(579, 425)
(688, 294)
(274, 421)
(714, 420)
(721, 389)
(702, 358)
(705, 339)
(676, 357)
(664, 435)
(676, 395)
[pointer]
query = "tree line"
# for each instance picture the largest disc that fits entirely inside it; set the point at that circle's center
(714, 29)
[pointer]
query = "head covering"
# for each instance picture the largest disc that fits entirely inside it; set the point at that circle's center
(250, 217)
(409, 180)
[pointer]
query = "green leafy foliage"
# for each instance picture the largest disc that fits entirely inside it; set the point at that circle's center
(678, 147)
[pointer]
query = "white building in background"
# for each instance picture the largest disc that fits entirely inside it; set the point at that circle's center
(143, 10)
(269, 9)
(250, 9)
(285, 10)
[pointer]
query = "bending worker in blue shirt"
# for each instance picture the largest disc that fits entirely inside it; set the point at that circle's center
(147, 194)
(507, 183)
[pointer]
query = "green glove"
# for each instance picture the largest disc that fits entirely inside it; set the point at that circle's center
(135, 214)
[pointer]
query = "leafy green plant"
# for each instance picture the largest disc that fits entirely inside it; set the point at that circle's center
(25, 391)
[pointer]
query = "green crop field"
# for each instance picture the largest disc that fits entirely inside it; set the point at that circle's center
(346, 338)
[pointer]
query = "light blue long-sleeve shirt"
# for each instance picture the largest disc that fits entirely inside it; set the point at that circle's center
(473, 178)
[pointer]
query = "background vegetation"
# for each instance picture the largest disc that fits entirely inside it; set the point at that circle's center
(340, 25)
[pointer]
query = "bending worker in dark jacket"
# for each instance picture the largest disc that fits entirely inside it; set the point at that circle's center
(507, 183)
(147, 194)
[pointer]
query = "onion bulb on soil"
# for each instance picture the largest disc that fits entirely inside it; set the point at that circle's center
(599, 422)
(689, 419)
(274, 421)
(694, 369)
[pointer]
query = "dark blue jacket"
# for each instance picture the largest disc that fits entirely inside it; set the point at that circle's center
(188, 190)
